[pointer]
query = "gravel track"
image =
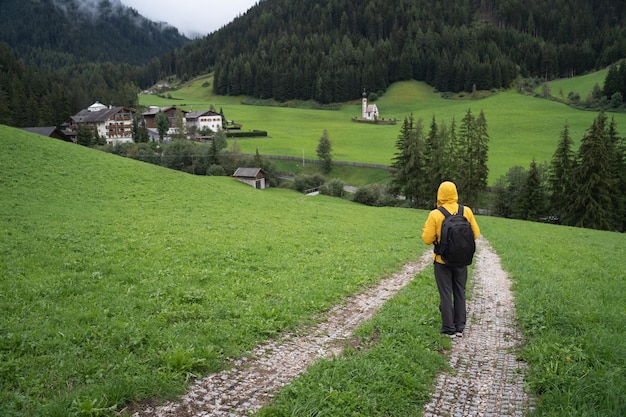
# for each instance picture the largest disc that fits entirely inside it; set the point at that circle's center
(487, 379)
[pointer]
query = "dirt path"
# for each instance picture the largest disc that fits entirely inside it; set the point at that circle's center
(487, 380)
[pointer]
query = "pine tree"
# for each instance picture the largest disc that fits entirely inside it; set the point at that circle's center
(471, 157)
(324, 152)
(617, 153)
(162, 124)
(591, 203)
(559, 177)
(434, 157)
(409, 178)
(530, 200)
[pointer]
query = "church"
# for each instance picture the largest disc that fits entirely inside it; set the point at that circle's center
(368, 112)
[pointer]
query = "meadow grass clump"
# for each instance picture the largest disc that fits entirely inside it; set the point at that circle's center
(570, 287)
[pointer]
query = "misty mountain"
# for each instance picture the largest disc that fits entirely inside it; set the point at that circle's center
(55, 34)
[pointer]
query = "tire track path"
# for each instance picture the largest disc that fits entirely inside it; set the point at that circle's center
(253, 380)
(487, 379)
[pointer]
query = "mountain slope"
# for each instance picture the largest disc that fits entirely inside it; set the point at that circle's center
(301, 49)
(52, 34)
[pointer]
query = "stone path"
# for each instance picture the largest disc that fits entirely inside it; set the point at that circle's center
(487, 380)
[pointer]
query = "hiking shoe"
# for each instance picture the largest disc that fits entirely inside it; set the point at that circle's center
(450, 335)
(458, 334)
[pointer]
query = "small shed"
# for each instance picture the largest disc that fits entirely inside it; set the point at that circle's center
(255, 177)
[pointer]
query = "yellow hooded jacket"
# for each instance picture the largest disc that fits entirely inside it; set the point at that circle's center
(447, 197)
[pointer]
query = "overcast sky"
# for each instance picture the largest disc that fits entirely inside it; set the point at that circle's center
(192, 17)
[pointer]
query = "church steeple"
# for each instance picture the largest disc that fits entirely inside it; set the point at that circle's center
(364, 104)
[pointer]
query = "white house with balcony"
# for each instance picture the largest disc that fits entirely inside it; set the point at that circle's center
(114, 124)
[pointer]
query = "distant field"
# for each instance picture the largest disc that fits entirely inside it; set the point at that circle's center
(520, 127)
(582, 85)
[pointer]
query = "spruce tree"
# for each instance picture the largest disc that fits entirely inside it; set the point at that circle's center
(617, 152)
(434, 158)
(324, 152)
(530, 200)
(408, 161)
(472, 159)
(590, 204)
(560, 174)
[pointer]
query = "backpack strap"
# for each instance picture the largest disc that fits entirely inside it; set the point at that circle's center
(445, 212)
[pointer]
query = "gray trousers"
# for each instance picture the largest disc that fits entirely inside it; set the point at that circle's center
(451, 284)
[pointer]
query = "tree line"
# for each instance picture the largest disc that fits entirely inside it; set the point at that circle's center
(305, 50)
(586, 188)
(424, 160)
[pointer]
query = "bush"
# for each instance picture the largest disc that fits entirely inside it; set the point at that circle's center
(333, 188)
(216, 170)
(367, 195)
(306, 182)
(374, 195)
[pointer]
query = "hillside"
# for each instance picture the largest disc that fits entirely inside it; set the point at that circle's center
(54, 34)
(123, 282)
(122, 278)
(521, 127)
(304, 50)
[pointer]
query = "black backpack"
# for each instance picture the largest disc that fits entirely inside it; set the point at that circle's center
(457, 244)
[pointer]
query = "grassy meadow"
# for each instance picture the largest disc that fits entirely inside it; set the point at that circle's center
(520, 127)
(121, 281)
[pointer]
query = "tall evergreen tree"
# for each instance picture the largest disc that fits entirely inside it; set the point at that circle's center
(434, 158)
(560, 174)
(324, 152)
(408, 161)
(591, 203)
(531, 198)
(617, 152)
(473, 150)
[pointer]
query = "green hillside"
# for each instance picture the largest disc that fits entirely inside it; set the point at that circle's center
(520, 127)
(120, 279)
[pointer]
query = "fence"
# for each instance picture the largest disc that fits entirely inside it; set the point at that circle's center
(316, 161)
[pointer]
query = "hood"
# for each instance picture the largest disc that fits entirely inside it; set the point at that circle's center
(447, 193)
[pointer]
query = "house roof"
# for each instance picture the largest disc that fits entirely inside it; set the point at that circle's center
(87, 116)
(196, 114)
(248, 172)
(45, 131)
(154, 111)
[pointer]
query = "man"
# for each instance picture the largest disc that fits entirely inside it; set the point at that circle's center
(451, 280)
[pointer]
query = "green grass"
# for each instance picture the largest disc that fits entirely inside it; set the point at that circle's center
(583, 85)
(520, 127)
(120, 279)
(570, 288)
(349, 175)
(387, 370)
